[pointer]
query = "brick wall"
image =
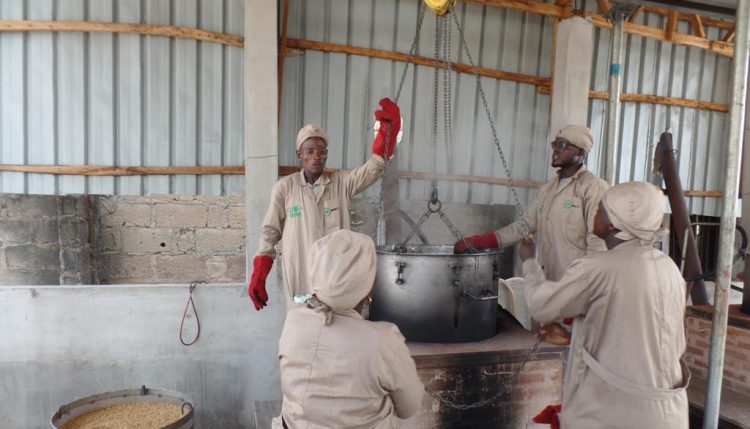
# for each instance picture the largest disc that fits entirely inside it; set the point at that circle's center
(736, 353)
(44, 240)
(170, 239)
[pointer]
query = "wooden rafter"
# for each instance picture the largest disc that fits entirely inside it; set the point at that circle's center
(636, 12)
(729, 37)
(604, 6)
(423, 61)
(697, 24)
(118, 27)
(671, 25)
(556, 11)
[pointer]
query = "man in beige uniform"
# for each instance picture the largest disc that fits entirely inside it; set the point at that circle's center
(563, 211)
(312, 203)
(625, 368)
(338, 370)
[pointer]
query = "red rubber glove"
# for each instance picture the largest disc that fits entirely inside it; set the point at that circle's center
(549, 415)
(390, 118)
(257, 288)
(488, 240)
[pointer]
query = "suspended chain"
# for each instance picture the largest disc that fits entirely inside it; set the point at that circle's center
(493, 398)
(380, 226)
(524, 225)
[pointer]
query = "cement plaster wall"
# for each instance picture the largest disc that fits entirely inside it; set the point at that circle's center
(61, 343)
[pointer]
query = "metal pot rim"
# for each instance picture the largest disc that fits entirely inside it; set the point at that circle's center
(447, 250)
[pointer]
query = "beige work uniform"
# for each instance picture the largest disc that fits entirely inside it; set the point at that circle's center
(563, 217)
(624, 368)
(299, 217)
(352, 373)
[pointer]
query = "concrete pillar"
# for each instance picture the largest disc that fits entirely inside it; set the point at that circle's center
(261, 334)
(261, 118)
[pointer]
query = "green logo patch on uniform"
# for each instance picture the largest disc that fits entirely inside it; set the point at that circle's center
(295, 211)
(327, 212)
(569, 204)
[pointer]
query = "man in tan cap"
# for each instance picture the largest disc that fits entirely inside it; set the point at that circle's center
(337, 369)
(312, 203)
(625, 368)
(562, 213)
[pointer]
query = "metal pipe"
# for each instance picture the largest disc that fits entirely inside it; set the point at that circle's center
(681, 218)
(618, 14)
(728, 218)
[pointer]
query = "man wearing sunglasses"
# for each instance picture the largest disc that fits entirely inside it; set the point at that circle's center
(562, 214)
(313, 203)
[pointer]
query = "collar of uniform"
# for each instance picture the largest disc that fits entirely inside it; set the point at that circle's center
(573, 177)
(324, 178)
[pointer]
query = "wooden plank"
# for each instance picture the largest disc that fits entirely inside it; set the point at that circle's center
(636, 12)
(117, 27)
(671, 25)
(526, 6)
(729, 37)
(654, 99)
(604, 6)
(423, 61)
(698, 30)
(98, 170)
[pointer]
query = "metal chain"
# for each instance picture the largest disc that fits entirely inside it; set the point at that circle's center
(524, 225)
(380, 226)
(493, 398)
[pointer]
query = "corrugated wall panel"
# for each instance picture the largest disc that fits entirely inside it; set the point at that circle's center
(341, 92)
(108, 99)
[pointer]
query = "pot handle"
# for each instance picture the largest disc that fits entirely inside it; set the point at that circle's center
(484, 296)
(399, 271)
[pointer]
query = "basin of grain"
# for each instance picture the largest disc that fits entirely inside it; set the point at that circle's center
(127, 409)
(130, 415)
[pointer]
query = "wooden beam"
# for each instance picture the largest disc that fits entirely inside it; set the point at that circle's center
(117, 27)
(423, 61)
(654, 99)
(604, 6)
(526, 6)
(531, 184)
(637, 11)
(671, 25)
(97, 170)
(697, 24)
(729, 37)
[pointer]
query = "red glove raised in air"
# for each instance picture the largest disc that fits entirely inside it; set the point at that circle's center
(389, 117)
(549, 415)
(488, 240)
(257, 288)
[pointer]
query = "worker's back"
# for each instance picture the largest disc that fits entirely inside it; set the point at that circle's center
(626, 348)
(352, 373)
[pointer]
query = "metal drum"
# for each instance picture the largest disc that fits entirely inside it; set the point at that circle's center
(92, 403)
(435, 296)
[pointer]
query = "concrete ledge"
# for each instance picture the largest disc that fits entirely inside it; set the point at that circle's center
(734, 410)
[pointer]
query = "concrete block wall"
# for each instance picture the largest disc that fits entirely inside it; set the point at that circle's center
(44, 240)
(170, 239)
(736, 362)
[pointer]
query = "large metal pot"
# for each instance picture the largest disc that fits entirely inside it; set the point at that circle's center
(435, 296)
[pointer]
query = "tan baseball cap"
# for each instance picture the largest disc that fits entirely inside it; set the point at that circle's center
(310, 131)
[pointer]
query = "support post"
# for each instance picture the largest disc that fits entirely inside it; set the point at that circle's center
(728, 219)
(618, 14)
